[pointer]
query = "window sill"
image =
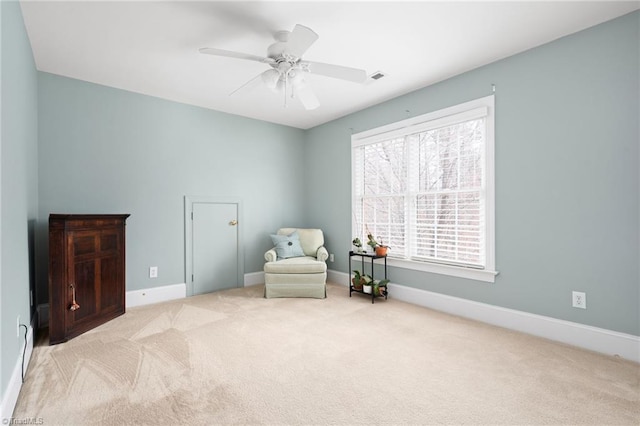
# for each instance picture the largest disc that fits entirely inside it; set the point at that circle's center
(453, 271)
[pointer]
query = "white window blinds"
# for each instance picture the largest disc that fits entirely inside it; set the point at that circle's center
(422, 188)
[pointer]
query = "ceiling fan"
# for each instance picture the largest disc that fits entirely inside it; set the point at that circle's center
(287, 70)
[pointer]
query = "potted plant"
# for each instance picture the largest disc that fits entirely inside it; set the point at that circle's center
(379, 248)
(367, 287)
(359, 280)
(357, 244)
(379, 287)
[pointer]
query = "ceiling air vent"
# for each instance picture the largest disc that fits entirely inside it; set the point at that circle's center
(377, 75)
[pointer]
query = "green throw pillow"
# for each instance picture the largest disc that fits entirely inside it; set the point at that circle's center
(287, 245)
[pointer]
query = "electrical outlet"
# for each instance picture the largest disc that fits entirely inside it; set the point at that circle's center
(18, 326)
(153, 272)
(579, 299)
(331, 258)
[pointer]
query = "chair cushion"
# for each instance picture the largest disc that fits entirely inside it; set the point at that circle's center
(296, 265)
(310, 239)
(287, 245)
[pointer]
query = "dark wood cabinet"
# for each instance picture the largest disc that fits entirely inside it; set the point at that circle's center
(86, 272)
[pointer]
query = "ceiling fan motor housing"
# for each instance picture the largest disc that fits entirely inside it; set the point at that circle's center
(287, 68)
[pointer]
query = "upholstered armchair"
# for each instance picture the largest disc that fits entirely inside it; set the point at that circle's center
(296, 266)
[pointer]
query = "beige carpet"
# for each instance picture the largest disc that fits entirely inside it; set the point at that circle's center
(234, 357)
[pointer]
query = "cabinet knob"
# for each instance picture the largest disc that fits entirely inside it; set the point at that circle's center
(233, 222)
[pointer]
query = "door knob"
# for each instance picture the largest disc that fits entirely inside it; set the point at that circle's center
(233, 222)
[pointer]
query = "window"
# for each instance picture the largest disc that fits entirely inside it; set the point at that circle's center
(425, 187)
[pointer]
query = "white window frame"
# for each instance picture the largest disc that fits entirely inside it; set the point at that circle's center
(431, 120)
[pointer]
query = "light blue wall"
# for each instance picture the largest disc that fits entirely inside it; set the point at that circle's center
(567, 161)
(567, 182)
(566, 169)
(104, 150)
(18, 201)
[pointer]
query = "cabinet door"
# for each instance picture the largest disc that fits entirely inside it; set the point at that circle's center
(96, 273)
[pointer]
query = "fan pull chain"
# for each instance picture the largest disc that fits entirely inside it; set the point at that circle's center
(292, 87)
(285, 91)
(286, 80)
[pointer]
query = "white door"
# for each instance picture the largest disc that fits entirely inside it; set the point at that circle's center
(214, 241)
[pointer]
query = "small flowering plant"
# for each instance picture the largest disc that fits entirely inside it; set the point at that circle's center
(357, 243)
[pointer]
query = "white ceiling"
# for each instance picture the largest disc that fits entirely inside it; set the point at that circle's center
(152, 47)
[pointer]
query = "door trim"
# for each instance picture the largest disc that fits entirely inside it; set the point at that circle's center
(189, 200)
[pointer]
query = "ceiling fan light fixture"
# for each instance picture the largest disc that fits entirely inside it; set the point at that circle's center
(271, 78)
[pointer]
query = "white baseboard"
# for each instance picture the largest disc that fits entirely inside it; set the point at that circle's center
(10, 396)
(133, 298)
(253, 278)
(338, 277)
(148, 296)
(601, 340)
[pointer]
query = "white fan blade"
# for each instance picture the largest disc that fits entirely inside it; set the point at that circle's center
(336, 71)
(238, 55)
(300, 39)
(306, 96)
(254, 82)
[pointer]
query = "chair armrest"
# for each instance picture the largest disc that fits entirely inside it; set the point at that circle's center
(271, 255)
(322, 254)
